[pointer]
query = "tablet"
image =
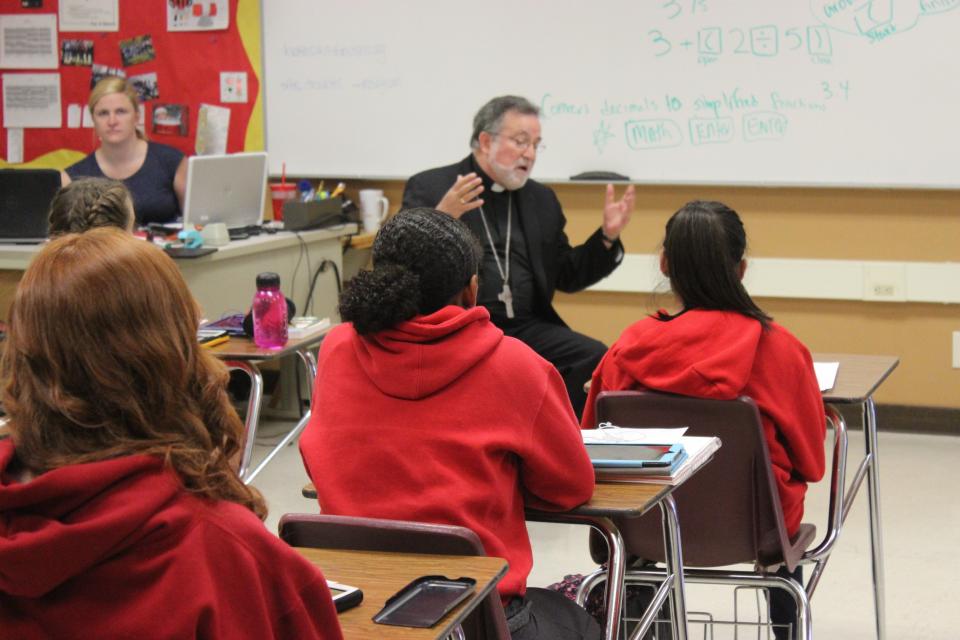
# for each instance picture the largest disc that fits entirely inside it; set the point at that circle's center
(635, 455)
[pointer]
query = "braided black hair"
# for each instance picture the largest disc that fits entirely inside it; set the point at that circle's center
(421, 259)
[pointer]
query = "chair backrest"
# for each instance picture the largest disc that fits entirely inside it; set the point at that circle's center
(730, 509)
(377, 534)
(402, 536)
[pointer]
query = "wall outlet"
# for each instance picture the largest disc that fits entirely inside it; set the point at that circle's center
(956, 349)
(884, 282)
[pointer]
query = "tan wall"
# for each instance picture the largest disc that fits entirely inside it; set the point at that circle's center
(803, 223)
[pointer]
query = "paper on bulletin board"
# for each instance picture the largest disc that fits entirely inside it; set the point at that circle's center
(198, 15)
(14, 145)
(89, 15)
(28, 41)
(213, 125)
(32, 100)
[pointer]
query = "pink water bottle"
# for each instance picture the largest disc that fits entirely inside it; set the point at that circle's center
(269, 313)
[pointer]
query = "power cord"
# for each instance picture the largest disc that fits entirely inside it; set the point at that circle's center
(313, 281)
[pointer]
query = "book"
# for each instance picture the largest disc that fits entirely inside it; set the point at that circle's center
(699, 449)
(306, 327)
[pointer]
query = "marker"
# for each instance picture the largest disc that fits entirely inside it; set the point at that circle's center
(340, 189)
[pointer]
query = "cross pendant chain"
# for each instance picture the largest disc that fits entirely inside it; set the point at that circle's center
(507, 299)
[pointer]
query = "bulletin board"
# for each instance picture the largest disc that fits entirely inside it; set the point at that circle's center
(187, 64)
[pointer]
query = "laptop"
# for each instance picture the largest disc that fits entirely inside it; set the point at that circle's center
(231, 189)
(25, 196)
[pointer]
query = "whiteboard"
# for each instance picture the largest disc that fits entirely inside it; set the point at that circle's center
(754, 92)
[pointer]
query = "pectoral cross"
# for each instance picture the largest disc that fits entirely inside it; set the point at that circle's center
(507, 299)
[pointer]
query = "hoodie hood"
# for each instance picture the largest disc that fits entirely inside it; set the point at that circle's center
(432, 351)
(707, 354)
(59, 524)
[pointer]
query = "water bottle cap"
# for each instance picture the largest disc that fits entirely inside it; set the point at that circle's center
(268, 279)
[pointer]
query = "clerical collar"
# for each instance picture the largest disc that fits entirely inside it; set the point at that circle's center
(488, 182)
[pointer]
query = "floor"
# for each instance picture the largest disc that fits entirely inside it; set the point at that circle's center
(921, 530)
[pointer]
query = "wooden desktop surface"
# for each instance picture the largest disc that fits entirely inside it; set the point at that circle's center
(858, 376)
(241, 348)
(380, 574)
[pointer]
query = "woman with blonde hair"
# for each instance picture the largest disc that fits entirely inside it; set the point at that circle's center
(155, 174)
(120, 512)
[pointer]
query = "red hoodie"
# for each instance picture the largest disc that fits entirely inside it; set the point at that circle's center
(443, 419)
(723, 355)
(118, 549)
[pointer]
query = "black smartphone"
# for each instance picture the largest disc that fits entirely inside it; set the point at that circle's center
(425, 601)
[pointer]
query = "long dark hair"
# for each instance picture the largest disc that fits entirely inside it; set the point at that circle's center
(704, 245)
(102, 361)
(421, 259)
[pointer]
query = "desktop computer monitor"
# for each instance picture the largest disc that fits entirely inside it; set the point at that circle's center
(230, 189)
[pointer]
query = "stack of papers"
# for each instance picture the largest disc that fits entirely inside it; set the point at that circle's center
(699, 449)
(306, 326)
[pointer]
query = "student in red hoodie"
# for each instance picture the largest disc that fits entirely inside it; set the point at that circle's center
(120, 513)
(719, 344)
(423, 410)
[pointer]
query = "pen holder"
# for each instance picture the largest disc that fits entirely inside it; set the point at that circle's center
(312, 215)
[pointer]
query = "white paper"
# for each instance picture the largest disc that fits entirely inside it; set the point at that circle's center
(213, 125)
(826, 374)
(74, 115)
(32, 100)
(233, 86)
(617, 435)
(87, 120)
(201, 15)
(15, 145)
(89, 15)
(28, 41)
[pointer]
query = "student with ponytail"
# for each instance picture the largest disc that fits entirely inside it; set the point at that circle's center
(423, 410)
(717, 343)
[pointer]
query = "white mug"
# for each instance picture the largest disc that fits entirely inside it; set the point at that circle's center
(373, 209)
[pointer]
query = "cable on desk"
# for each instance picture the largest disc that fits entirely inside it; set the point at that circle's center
(303, 250)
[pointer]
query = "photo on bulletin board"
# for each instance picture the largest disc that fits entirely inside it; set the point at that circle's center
(137, 50)
(76, 53)
(198, 15)
(170, 119)
(100, 71)
(145, 85)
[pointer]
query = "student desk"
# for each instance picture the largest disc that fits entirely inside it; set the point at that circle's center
(627, 500)
(380, 574)
(242, 354)
(857, 379)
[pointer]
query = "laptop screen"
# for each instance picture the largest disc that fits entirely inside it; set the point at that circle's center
(230, 189)
(25, 196)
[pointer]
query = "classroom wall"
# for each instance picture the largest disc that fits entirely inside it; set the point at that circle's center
(905, 225)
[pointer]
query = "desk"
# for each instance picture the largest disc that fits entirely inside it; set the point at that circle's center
(857, 379)
(628, 500)
(242, 354)
(380, 574)
(224, 282)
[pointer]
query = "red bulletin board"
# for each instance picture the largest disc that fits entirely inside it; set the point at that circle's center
(187, 64)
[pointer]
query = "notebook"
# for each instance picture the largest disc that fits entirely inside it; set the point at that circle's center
(25, 196)
(231, 189)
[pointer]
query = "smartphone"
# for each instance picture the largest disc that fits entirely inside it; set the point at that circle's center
(344, 596)
(425, 601)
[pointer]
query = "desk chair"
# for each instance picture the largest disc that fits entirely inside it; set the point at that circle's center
(375, 534)
(730, 509)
